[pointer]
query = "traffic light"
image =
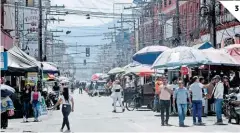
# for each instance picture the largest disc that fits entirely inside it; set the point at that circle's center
(85, 62)
(88, 16)
(87, 52)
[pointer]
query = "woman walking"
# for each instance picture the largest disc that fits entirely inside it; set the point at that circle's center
(67, 106)
(116, 95)
(26, 97)
(35, 101)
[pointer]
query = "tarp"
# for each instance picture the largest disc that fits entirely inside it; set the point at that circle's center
(219, 57)
(29, 60)
(17, 62)
(205, 45)
(234, 51)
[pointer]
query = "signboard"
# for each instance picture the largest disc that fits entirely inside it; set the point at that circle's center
(32, 78)
(4, 61)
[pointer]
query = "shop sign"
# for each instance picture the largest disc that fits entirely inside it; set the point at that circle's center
(4, 61)
(32, 78)
(184, 70)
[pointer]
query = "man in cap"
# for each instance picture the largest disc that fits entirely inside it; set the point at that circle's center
(218, 96)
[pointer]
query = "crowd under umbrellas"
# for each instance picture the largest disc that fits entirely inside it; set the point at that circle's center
(189, 57)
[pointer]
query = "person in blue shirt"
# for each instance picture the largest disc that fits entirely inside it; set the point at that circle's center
(181, 95)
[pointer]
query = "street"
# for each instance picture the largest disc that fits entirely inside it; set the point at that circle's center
(94, 114)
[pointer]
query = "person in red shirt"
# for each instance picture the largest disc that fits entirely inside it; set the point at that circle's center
(35, 101)
(158, 83)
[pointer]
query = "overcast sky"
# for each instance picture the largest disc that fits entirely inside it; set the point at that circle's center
(80, 26)
(88, 5)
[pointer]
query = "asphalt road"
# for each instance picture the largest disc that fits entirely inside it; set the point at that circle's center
(94, 114)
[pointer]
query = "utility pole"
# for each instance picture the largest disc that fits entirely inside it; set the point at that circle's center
(178, 29)
(17, 24)
(40, 32)
(212, 20)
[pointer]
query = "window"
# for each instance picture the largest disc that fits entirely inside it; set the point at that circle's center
(170, 2)
(165, 3)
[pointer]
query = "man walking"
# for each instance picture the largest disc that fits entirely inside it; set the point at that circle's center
(218, 96)
(196, 89)
(181, 95)
(164, 96)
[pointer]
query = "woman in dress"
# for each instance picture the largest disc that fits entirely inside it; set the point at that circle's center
(67, 106)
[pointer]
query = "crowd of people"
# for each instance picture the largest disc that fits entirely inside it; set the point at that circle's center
(195, 96)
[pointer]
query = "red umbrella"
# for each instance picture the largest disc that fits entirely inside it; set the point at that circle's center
(95, 77)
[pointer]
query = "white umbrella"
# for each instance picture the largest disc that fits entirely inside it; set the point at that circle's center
(6, 90)
(180, 56)
(116, 70)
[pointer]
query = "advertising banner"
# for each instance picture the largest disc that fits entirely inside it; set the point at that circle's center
(4, 61)
(32, 78)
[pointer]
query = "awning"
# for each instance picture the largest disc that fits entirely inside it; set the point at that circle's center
(205, 45)
(47, 67)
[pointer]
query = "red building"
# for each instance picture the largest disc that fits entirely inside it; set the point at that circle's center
(153, 28)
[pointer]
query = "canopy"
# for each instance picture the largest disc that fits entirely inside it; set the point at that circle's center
(180, 56)
(219, 57)
(205, 45)
(18, 62)
(141, 70)
(149, 54)
(47, 67)
(116, 70)
(234, 51)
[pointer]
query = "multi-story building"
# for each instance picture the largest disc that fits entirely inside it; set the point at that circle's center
(21, 20)
(158, 23)
(6, 38)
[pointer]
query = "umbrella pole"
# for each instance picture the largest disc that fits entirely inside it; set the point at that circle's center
(209, 73)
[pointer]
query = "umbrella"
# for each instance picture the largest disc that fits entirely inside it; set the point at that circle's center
(6, 90)
(141, 70)
(116, 70)
(149, 54)
(180, 56)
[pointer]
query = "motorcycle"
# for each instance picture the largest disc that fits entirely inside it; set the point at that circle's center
(231, 107)
(54, 96)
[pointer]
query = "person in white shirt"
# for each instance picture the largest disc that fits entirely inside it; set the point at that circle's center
(67, 106)
(218, 96)
(117, 95)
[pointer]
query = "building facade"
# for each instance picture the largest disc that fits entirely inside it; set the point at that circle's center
(158, 23)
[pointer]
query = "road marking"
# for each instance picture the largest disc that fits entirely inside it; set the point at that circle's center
(139, 126)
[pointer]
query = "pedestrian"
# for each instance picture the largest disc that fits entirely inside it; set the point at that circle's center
(67, 106)
(218, 98)
(117, 95)
(204, 99)
(158, 83)
(26, 98)
(80, 88)
(174, 87)
(196, 89)
(181, 95)
(165, 96)
(35, 101)
(7, 109)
